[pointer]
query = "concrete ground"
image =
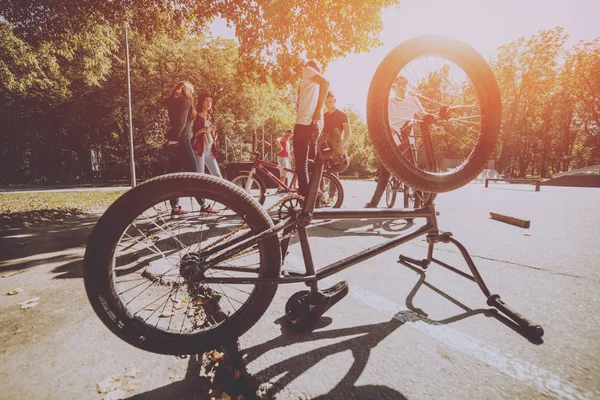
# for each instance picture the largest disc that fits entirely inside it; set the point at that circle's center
(400, 333)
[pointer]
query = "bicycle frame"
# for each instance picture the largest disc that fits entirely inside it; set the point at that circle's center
(300, 221)
(301, 218)
(261, 165)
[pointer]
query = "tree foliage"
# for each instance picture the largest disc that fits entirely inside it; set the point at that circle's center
(275, 36)
(550, 96)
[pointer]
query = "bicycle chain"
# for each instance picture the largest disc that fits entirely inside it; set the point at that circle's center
(245, 225)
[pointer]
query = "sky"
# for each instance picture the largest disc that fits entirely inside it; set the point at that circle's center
(484, 24)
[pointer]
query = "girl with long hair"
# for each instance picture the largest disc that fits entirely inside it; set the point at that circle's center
(180, 155)
(204, 142)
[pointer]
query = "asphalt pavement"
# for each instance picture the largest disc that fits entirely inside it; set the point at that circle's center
(400, 333)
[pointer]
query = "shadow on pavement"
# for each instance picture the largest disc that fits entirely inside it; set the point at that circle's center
(293, 367)
(38, 244)
(192, 387)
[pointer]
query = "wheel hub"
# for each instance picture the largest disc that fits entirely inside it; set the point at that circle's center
(190, 267)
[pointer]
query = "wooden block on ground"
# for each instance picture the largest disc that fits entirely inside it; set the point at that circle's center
(523, 223)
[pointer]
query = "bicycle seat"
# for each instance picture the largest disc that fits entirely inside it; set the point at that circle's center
(332, 151)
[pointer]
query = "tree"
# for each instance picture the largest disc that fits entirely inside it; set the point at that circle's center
(275, 36)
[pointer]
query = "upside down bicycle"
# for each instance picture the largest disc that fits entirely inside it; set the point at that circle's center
(185, 284)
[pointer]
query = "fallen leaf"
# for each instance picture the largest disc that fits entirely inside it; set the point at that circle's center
(225, 396)
(15, 291)
(526, 234)
(237, 373)
(240, 397)
(167, 314)
(29, 303)
(130, 385)
(179, 303)
(217, 356)
(110, 384)
(115, 395)
(131, 372)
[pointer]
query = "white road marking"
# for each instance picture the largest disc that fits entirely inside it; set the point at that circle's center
(544, 381)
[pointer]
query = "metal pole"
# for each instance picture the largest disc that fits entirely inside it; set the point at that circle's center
(131, 159)
(263, 139)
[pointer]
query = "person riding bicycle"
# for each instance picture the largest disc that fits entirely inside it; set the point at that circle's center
(401, 113)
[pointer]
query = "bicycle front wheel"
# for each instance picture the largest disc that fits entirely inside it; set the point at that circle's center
(439, 90)
(146, 264)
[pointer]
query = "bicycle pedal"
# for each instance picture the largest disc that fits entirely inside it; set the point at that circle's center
(335, 293)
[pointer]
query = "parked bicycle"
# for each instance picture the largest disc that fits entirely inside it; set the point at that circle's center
(409, 196)
(331, 191)
(185, 284)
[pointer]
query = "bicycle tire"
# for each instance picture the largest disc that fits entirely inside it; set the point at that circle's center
(390, 194)
(488, 95)
(101, 253)
(338, 185)
(240, 180)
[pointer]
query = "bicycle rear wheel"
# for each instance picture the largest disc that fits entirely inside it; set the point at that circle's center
(144, 265)
(458, 101)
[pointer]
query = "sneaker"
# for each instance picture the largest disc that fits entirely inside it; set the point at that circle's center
(178, 211)
(209, 209)
(370, 205)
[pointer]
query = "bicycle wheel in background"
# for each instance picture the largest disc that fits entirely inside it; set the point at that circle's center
(256, 188)
(460, 97)
(331, 191)
(144, 267)
(390, 193)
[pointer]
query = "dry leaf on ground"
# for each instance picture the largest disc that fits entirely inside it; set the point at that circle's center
(130, 385)
(15, 291)
(110, 384)
(178, 303)
(29, 303)
(167, 314)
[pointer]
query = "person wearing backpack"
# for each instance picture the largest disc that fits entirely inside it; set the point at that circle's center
(180, 155)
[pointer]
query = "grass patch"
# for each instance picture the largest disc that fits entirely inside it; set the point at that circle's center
(23, 209)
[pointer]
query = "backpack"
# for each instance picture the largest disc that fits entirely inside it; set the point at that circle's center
(156, 130)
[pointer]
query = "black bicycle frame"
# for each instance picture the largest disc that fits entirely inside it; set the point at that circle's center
(308, 213)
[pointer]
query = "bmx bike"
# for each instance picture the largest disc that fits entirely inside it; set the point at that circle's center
(185, 284)
(410, 198)
(331, 191)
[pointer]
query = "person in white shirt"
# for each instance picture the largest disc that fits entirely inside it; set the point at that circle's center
(311, 95)
(402, 108)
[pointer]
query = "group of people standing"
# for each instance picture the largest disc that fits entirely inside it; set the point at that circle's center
(191, 143)
(313, 93)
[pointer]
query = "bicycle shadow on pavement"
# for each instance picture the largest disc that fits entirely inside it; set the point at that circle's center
(57, 242)
(354, 227)
(293, 367)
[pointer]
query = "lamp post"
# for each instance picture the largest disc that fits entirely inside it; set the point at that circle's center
(131, 159)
